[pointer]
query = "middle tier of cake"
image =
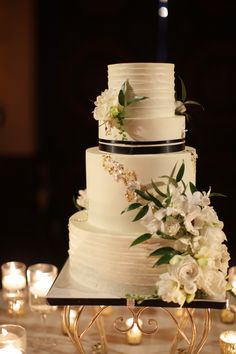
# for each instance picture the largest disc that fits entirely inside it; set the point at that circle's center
(106, 189)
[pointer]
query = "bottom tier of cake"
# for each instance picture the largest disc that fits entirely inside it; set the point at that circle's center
(106, 262)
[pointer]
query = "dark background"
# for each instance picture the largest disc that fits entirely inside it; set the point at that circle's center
(75, 41)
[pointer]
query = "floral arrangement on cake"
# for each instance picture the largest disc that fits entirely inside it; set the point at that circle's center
(190, 250)
(110, 107)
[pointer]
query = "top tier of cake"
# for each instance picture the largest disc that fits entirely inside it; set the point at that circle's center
(150, 124)
(152, 80)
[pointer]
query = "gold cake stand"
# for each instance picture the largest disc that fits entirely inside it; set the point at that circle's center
(187, 333)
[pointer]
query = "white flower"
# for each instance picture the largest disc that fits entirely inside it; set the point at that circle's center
(171, 226)
(82, 199)
(213, 235)
(151, 222)
(105, 104)
(189, 221)
(213, 283)
(168, 288)
(198, 198)
(186, 270)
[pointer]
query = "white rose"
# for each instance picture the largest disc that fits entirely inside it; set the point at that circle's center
(186, 271)
(171, 226)
(213, 283)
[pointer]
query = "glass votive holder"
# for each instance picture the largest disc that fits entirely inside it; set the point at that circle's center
(40, 277)
(134, 334)
(14, 286)
(12, 339)
(228, 342)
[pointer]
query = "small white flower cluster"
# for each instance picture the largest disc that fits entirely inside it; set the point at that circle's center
(82, 199)
(194, 234)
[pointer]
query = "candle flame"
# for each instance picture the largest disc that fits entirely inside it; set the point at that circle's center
(4, 332)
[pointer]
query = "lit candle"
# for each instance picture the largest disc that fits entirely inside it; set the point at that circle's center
(13, 278)
(10, 349)
(228, 342)
(134, 335)
(12, 339)
(42, 284)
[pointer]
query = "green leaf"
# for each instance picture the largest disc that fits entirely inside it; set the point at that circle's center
(192, 187)
(163, 260)
(217, 195)
(141, 213)
(183, 90)
(135, 99)
(142, 194)
(180, 173)
(158, 190)
(132, 207)
(168, 201)
(163, 251)
(195, 103)
(155, 200)
(141, 239)
(122, 94)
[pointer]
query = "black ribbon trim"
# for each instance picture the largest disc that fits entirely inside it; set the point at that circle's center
(125, 142)
(134, 150)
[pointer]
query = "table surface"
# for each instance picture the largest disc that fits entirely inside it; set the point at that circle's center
(49, 337)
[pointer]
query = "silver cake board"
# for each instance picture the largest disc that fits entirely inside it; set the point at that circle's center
(64, 292)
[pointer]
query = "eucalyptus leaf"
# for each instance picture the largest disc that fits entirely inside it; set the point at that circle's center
(141, 239)
(143, 211)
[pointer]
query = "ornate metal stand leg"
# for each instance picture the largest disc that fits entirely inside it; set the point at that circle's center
(72, 331)
(76, 334)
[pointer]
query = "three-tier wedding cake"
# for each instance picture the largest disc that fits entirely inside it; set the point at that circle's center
(140, 192)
